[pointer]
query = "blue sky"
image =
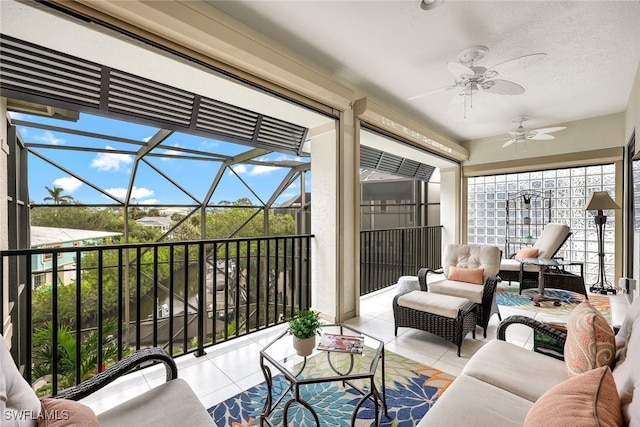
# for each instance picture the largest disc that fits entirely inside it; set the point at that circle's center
(112, 171)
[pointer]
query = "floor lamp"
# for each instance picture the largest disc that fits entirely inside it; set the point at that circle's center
(600, 201)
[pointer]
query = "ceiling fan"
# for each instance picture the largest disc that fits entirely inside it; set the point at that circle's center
(522, 134)
(470, 79)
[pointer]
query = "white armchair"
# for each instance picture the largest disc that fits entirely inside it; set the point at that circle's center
(468, 257)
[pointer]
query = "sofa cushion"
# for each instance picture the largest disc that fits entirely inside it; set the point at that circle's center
(514, 265)
(472, 256)
(589, 399)
(66, 413)
(442, 305)
(171, 404)
(471, 402)
(627, 376)
(515, 369)
(551, 239)
(590, 340)
(458, 289)
(466, 274)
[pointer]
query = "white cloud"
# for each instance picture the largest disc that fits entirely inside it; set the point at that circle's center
(254, 170)
(261, 170)
(209, 143)
(149, 202)
(171, 152)
(18, 116)
(110, 161)
(68, 183)
(239, 169)
(136, 193)
(48, 138)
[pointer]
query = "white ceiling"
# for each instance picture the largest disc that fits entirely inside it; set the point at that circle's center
(392, 50)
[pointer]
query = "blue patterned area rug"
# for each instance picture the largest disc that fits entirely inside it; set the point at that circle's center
(508, 296)
(412, 388)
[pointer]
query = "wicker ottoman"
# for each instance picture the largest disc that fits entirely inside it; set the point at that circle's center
(449, 317)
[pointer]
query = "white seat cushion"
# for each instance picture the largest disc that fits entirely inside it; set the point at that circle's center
(171, 404)
(516, 369)
(470, 402)
(550, 240)
(442, 305)
(514, 265)
(469, 291)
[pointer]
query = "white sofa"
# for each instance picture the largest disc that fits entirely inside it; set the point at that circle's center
(501, 382)
(172, 403)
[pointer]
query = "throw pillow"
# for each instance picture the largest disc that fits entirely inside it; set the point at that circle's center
(589, 399)
(469, 275)
(66, 413)
(527, 253)
(590, 340)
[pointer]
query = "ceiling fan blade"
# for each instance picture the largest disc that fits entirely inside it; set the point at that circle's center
(431, 92)
(502, 87)
(509, 142)
(540, 136)
(550, 130)
(513, 64)
(459, 70)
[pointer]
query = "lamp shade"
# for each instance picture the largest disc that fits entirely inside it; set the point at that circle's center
(599, 201)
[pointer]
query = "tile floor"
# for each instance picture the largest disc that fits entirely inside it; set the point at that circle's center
(231, 367)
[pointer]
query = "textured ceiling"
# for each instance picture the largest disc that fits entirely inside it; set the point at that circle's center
(392, 50)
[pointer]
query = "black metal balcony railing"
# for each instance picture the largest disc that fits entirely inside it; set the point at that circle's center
(388, 254)
(101, 302)
(110, 300)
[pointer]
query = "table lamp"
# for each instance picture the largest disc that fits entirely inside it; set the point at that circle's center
(600, 201)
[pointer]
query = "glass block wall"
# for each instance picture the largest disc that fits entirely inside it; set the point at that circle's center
(569, 190)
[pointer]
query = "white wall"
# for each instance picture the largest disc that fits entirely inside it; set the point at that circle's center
(582, 135)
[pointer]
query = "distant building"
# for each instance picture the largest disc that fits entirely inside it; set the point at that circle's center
(162, 222)
(53, 237)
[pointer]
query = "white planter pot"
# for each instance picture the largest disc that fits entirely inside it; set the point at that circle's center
(304, 347)
(526, 221)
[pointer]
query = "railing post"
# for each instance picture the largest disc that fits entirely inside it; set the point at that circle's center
(202, 315)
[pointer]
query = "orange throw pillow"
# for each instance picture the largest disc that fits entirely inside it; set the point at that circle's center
(66, 413)
(588, 400)
(527, 253)
(469, 275)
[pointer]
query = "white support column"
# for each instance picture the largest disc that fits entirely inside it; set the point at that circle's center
(334, 221)
(450, 205)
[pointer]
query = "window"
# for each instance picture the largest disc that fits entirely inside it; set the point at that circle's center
(568, 189)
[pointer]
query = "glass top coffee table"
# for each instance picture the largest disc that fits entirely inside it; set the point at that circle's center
(356, 370)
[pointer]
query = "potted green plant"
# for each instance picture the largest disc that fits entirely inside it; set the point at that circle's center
(528, 238)
(526, 220)
(304, 327)
(526, 201)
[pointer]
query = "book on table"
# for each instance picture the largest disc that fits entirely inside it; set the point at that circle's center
(341, 343)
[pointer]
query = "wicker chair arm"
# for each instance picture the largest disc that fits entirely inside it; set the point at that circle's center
(536, 325)
(490, 285)
(422, 276)
(124, 366)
